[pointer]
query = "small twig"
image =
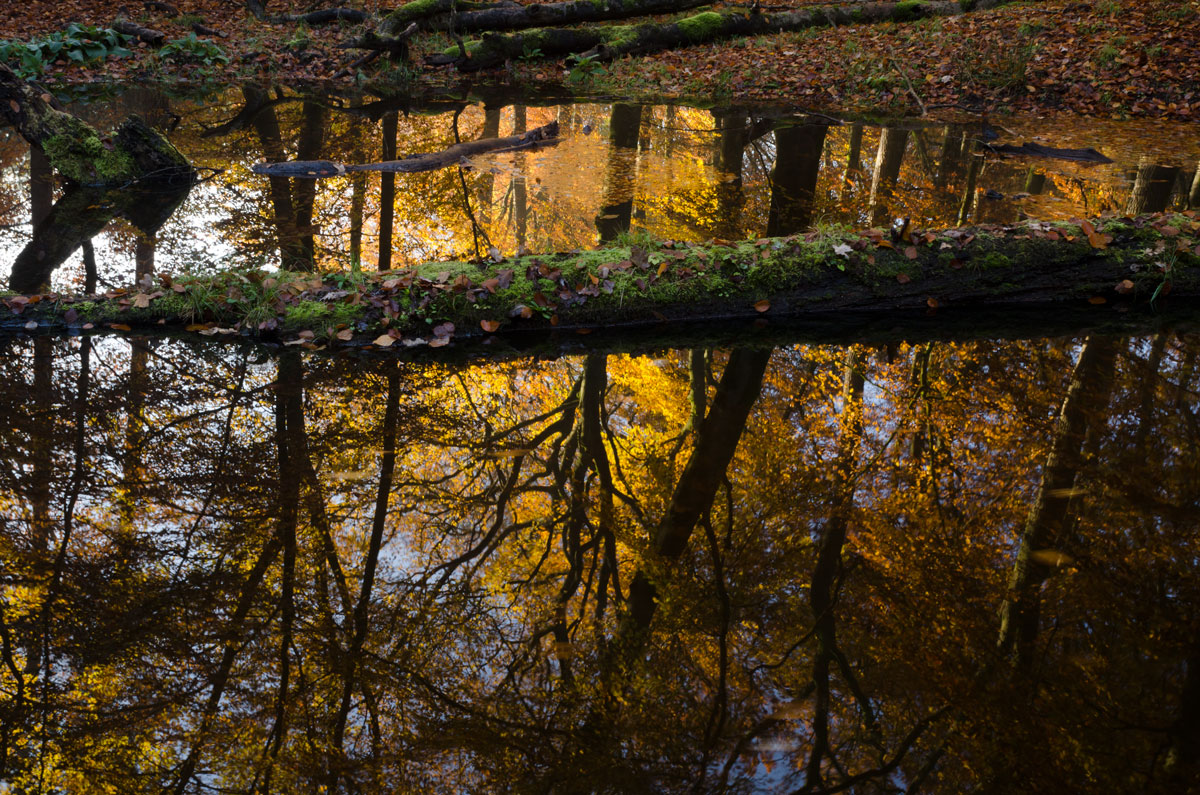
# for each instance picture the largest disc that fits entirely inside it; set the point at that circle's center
(895, 65)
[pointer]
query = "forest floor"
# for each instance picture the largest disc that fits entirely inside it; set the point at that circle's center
(1111, 58)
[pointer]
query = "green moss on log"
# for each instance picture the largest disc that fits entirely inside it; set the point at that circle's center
(701, 26)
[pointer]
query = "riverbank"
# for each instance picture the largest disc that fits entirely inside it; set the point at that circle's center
(1119, 263)
(1112, 58)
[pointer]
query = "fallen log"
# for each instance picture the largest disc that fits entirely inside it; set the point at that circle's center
(613, 41)
(154, 38)
(134, 152)
(572, 12)
(315, 169)
(325, 16)
(420, 11)
(1030, 149)
(1043, 269)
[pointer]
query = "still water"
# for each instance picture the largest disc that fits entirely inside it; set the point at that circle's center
(924, 565)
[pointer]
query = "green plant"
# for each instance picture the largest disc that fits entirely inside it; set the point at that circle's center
(299, 40)
(531, 53)
(1106, 56)
(77, 43)
(585, 69)
(191, 49)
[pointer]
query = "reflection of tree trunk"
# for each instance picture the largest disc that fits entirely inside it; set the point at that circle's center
(41, 185)
(353, 658)
(715, 445)
(794, 178)
(1151, 188)
(854, 158)
(1194, 194)
(952, 152)
(1035, 182)
(266, 126)
(730, 197)
(387, 192)
(358, 194)
(968, 198)
(487, 182)
(892, 143)
(829, 567)
(1183, 754)
(1046, 533)
(620, 178)
(520, 191)
(304, 191)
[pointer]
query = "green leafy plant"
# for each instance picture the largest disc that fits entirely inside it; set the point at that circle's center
(191, 49)
(586, 68)
(77, 43)
(531, 53)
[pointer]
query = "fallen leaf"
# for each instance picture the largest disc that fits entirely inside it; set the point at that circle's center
(384, 340)
(1097, 299)
(489, 325)
(120, 327)
(762, 306)
(903, 278)
(911, 252)
(345, 335)
(31, 325)
(1124, 286)
(438, 342)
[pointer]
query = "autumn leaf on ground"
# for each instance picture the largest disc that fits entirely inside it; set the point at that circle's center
(345, 335)
(1095, 240)
(384, 340)
(903, 278)
(489, 325)
(762, 306)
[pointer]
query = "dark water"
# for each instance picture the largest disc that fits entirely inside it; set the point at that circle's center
(940, 566)
(672, 172)
(925, 564)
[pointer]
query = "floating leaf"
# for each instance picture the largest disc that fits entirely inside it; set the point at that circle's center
(345, 335)
(438, 342)
(762, 306)
(384, 340)
(489, 325)
(1097, 299)
(120, 327)
(1124, 286)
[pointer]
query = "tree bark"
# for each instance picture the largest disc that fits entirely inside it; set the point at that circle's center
(79, 152)
(609, 42)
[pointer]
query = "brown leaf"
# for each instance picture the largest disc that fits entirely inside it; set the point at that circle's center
(1124, 286)
(762, 306)
(141, 300)
(903, 278)
(932, 303)
(345, 335)
(120, 327)
(489, 325)
(911, 252)
(1097, 299)
(438, 342)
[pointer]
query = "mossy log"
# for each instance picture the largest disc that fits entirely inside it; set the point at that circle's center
(613, 41)
(974, 276)
(79, 152)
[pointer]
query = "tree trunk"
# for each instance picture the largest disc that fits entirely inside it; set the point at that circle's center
(892, 144)
(78, 151)
(616, 214)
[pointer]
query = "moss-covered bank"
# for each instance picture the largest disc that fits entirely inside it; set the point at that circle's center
(1123, 262)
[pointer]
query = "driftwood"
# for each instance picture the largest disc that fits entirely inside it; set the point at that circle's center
(613, 41)
(1027, 149)
(314, 169)
(134, 152)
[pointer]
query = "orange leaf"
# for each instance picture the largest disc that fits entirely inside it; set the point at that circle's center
(345, 335)
(489, 325)
(384, 340)
(1097, 299)
(762, 306)
(911, 252)
(120, 327)
(903, 278)
(1124, 286)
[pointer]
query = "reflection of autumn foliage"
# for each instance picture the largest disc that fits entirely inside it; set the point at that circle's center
(689, 174)
(188, 547)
